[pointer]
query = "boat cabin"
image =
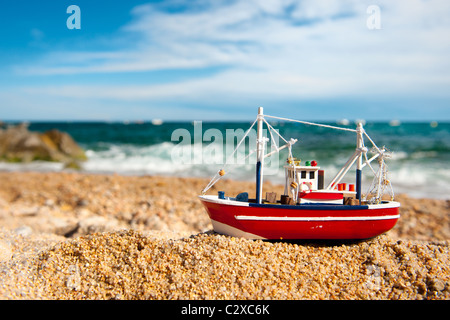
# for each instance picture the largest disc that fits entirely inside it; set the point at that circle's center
(310, 177)
(305, 184)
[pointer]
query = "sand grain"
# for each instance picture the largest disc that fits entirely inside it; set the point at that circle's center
(79, 236)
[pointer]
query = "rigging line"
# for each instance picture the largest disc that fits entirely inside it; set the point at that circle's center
(278, 150)
(239, 144)
(288, 143)
(270, 127)
(216, 178)
(271, 136)
(368, 161)
(312, 123)
(211, 183)
(344, 169)
(373, 143)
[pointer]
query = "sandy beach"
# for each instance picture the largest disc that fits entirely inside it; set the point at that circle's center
(87, 236)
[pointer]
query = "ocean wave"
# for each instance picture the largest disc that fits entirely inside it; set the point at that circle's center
(412, 177)
(407, 174)
(417, 155)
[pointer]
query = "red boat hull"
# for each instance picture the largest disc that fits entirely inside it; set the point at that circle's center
(263, 221)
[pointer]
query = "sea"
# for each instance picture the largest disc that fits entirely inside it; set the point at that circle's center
(417, 157)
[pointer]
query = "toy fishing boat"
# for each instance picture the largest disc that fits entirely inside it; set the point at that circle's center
(308, 209)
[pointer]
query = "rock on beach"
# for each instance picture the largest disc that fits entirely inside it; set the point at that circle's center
(86, 236)
(18, 144)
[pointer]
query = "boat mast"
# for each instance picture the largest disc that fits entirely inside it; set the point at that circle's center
(359, 146)
(259, 156)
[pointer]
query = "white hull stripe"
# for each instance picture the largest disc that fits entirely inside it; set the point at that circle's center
(317, 218)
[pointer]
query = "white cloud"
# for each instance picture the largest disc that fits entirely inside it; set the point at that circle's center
(272, 49)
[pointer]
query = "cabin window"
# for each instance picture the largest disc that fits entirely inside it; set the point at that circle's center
(303, 174)
(311, 175)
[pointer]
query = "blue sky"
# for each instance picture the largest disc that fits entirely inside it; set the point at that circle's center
(220, 60)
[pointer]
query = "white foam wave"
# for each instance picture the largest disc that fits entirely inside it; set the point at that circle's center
(422, 181)
(130, 159)
(399, 155)
(411, 177)
(40, 166)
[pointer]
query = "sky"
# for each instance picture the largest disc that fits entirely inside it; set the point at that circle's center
(221, 60)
